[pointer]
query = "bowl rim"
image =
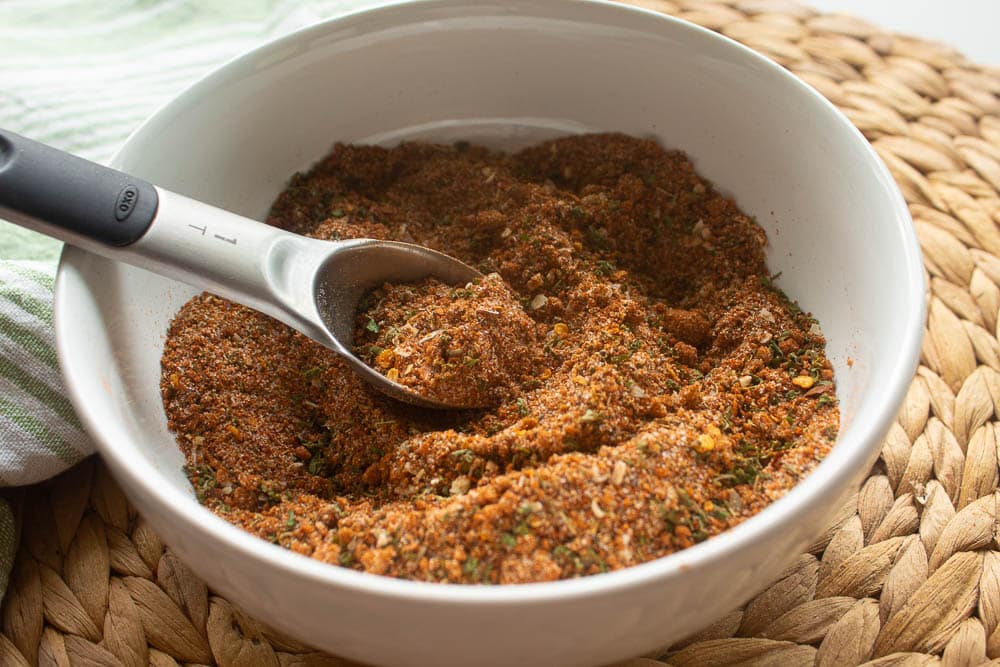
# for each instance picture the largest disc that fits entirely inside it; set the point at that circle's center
(834, 472)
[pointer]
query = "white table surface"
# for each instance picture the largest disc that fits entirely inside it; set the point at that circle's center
(971, 26)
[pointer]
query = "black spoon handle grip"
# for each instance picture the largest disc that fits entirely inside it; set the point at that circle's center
(48, 190)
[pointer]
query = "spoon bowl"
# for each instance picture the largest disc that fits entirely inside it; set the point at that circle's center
(355, 267)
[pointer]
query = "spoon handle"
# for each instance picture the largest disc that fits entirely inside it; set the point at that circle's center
(125, 218)
(70, 198)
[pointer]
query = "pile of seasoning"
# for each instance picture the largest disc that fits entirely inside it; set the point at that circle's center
(650, 387)
(466, 346)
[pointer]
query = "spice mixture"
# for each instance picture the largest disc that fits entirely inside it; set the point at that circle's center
(649, 386)
(463, 346)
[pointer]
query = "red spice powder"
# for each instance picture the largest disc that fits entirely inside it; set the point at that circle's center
(649, 386)
(465, 346)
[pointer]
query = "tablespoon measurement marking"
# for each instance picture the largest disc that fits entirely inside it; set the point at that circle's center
(203, 230)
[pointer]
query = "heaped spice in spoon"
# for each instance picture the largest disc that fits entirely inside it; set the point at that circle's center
(652, 386)
(467, 346)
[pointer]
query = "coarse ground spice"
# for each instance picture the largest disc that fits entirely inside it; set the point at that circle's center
(665, 391)
(462, 345)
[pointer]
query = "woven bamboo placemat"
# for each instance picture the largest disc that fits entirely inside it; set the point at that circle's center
(907, 574)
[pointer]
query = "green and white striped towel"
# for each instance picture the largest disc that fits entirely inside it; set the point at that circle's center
(81, 76)
(39, 432)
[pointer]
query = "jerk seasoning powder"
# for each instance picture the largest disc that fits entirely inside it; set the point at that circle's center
(648, 385)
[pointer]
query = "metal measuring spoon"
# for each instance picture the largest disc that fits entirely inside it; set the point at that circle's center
(312, 286)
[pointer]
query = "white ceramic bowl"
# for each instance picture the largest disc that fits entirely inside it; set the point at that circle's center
(506, 74)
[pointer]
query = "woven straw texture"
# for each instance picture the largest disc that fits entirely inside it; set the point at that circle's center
(907, 574)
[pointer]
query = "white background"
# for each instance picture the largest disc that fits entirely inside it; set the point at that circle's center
(971, 26)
